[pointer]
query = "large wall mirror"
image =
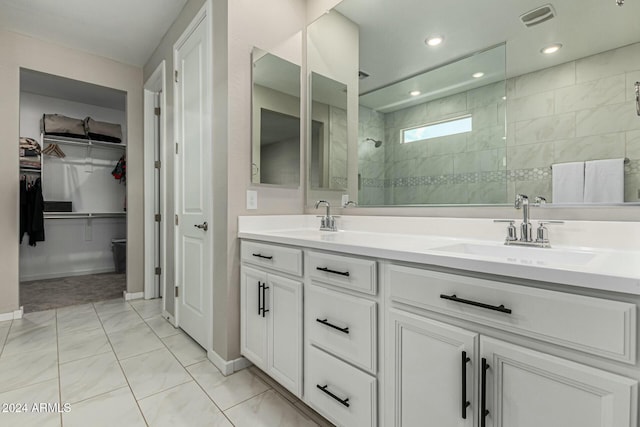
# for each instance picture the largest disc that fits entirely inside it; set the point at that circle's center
(275, 150)
(517, 97)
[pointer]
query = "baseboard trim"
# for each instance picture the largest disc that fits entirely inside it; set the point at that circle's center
(132, 295)
(169, 317)
(66, 274)
(227, 367)
(12, 315)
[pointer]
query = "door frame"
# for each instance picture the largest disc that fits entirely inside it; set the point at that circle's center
(205, 16)
(155, 84)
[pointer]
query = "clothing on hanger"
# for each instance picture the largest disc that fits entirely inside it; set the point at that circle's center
(31, 210)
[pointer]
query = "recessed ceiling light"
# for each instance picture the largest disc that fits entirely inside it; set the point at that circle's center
(477, 75)
(434, 40)
(504, 98)
(553, 48)
(415, 93)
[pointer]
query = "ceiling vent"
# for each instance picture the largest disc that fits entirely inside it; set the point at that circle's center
(538, 15)
(362, 75)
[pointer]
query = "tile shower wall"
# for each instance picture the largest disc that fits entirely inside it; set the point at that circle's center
(581, 110)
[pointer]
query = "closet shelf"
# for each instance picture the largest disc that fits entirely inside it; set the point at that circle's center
(29, 169)
(52, 139)
(67, 215)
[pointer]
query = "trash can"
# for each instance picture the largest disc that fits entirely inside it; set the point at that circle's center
(119, 249)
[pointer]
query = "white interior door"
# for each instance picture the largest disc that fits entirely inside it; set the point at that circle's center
(194, 186)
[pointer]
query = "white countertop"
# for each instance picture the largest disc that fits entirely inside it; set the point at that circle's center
(601, 268)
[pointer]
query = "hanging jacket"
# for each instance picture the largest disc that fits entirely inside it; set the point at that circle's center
(23, 208)
(35, 213)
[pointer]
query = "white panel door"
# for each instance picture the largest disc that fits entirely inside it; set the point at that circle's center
(284, 312)
(430, 384)
(253, 321)
(194, 186)
(525, 388)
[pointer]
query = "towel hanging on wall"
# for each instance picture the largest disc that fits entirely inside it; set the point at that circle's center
(604, 181)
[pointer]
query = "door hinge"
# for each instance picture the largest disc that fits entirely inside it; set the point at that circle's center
(157, 164)
(176, 75)
(176, 148)
(176, 292)
(158, 217)
(176, 219)
(158, 271)
(156, 111)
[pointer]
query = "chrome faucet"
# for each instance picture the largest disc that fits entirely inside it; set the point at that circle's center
(327, 222)
(522, 202)
(350, 203)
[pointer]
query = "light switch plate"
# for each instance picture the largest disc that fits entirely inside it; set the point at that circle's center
(345, 199)
(252, 199)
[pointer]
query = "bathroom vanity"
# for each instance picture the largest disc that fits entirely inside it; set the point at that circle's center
(414, 327)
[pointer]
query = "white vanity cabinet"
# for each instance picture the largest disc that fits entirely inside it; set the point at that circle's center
(271, 317)
(444, 375)
(341, 338)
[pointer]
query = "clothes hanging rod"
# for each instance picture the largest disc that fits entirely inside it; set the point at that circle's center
(81, 142)
(83, 215)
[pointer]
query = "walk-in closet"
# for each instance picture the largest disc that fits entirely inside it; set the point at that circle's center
(72, 191)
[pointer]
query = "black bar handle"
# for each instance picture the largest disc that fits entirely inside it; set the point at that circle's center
(501, 308)
(483, 393)
(325, 269)
(264, 299)
(262, 256)
(259, 302)
(465, 402)
(326, 323)
(345, 402)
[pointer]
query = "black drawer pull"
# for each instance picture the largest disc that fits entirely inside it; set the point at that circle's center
(326, 323)
(465, 402)
(501, 308)
(262, 256)
(325, 269)
(345, 402)
(483, 393)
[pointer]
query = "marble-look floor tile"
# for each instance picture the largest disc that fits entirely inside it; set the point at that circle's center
(185, 349)
(4, 331)
(72, 321)
(147, 308)
(113, 322)
(313, 415)
(133, 341)
(89, 377)
(34, 320)
(82, 344)
(162, 327)
(44, 392)
(20, 370)
(274, 384)
(118, 305)
(26, 341)
(185, 405)
(153, 372)
(227, 391)
(116, 408)
(268, 409)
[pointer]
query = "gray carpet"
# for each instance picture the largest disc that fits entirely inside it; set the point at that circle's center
(39, 295)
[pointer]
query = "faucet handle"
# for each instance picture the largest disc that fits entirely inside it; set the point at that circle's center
(520, 200)
(511, 229)
(542, 234)
(539, 201)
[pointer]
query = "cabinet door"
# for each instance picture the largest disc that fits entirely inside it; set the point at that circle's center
(284, 305)
(425, 373)
(525, 388)
(253, 323)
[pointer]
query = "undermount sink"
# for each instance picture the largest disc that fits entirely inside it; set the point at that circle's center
(523, 255)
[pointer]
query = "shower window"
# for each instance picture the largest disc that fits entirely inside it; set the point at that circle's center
(438, 129)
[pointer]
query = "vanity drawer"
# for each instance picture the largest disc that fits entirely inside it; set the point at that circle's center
(340, 392)
(593, 325)
(288, 260)
(343, 325)
(353, 273)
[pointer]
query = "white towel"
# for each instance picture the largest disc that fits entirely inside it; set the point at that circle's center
(568, 182)
(604, 181)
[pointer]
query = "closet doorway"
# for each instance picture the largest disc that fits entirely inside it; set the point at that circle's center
(73, 209)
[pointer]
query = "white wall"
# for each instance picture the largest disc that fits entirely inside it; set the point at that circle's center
(74, 246)
(22, 51)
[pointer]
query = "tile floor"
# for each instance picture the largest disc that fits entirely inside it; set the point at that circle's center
(120, 363)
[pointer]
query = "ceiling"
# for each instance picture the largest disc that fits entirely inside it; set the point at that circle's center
(392, 33)
(124, 30)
